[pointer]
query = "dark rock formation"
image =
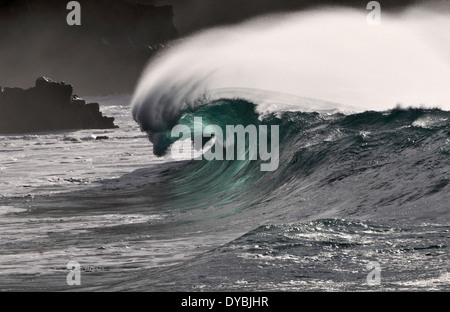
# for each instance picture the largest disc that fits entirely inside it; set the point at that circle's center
(48, 106)
(104, 55)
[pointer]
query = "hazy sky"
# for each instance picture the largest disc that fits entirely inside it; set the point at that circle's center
(191, 15)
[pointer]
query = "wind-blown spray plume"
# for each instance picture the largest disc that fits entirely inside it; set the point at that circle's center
(333, 55)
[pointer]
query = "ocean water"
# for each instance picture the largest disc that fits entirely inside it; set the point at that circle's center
(350, 189)
(359, 201)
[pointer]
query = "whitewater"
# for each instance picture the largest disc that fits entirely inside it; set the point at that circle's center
(363, 176)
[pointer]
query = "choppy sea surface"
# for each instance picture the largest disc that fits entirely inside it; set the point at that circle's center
(351, 189)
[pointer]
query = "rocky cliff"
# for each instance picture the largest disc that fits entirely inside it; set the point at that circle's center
(103, 55)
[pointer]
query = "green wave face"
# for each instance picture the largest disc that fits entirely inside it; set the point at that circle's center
(202, 183)
(322, 157)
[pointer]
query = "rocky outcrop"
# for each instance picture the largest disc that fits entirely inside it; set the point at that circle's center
(48, 106)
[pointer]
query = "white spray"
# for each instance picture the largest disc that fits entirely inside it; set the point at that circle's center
(332, 54)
